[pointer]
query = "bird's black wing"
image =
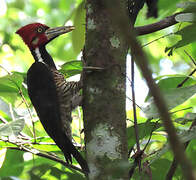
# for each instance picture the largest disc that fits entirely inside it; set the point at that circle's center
(43, 95)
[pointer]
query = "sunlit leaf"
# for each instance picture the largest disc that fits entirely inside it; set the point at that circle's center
(185, 17)
(4, 144)
(46, 148)
(45, 144)
(46, 171)
(2, 155)
(188, 35)
(78, 35)
(184, 136)
(166, 82)
(12, 128)
(10, 86)
(163, 6)
(71, 68)
(13, 164)
(173, 98)
(6, 111)
(189, 117)
(11, 82)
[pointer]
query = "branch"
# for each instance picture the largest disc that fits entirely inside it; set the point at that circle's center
(138, 155)
(186, 79)
(147, 29)
(134, 112)
(53, 158)
(36, 152)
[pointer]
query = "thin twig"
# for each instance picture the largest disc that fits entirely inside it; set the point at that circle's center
(53, 158)
(131, 86)
(135, 103)
(172, 33)
(80, 124)
(3, 120)
(157, 39)
(150, 135)
(27, 105)
(138, 155)
(38, 153)
(181, 110)
(23, 98)
(191, 58)
(187, 78)
(5, 70)
(134, 111)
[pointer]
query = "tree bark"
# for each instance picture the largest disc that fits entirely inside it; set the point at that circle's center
(104, 96)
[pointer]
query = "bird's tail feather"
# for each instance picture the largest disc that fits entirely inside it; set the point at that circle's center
(75, 153)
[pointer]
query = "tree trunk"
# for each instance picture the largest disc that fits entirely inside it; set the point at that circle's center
(104, 90)
(104, 96)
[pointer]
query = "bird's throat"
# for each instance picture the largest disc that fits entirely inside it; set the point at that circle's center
(40, 54)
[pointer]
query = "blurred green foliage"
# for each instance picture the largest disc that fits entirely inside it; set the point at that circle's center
(15, 104)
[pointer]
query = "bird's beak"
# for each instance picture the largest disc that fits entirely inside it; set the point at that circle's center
(51, 33)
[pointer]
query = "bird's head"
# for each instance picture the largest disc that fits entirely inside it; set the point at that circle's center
(37, 34)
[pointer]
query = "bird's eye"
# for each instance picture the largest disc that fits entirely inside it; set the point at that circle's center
(40, 30)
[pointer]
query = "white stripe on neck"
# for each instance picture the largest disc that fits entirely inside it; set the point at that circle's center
(38, 55)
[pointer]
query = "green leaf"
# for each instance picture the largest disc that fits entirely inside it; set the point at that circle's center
(13, 164)
(163, 6)
(38, 171)
(186, 4)
(173, 98)
(185, 17)
(144, 129)
(5, 108)
(10, 86)
(71, 68)
(188, 35)
(117, 168)
(187, 135)
(189, 117)
(12, 82)
(47, 147)
(45, 171)
(12, 128)
(190, 151)
(4, 144)
(78, 35)
(160, 168)
(75, 176)
(184, 136)
(172, 81)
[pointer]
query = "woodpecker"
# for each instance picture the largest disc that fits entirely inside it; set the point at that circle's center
(51, 95)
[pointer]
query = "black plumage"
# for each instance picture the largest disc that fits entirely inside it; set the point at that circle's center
(51, 95)
(43, 95)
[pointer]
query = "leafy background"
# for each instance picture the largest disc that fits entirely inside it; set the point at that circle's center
(15, 108)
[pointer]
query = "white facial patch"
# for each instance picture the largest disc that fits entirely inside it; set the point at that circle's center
(38, 55)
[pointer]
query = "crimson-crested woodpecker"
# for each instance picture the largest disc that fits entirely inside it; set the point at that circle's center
(51, 95)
